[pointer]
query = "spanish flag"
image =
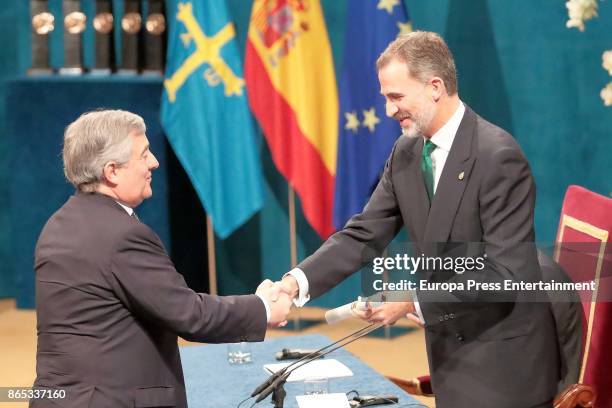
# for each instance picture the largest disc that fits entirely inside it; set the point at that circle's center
(291, 88)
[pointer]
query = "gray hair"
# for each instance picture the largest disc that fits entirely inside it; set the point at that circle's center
(426, 55)
(95, 139)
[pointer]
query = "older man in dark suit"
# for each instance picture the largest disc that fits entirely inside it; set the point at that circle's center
(453, 179)
(109, 302)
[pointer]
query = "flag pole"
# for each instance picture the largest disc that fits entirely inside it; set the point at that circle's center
(212, 263)
(293, 245)
(292, 233)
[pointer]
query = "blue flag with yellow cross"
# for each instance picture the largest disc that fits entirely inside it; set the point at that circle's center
(205, 112)
(366, 135)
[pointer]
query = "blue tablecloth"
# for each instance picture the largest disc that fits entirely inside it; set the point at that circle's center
(212, 382)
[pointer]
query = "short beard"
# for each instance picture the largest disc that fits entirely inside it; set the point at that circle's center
(410, 131)
(421, 121)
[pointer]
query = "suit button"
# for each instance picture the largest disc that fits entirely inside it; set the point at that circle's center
(452, 315)
(459, 337)
(441, 318)
(445, 317)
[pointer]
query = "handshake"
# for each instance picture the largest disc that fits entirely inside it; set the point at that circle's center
(279, 297)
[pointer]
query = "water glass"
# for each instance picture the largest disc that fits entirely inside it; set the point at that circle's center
(317, 385)
(239, 353)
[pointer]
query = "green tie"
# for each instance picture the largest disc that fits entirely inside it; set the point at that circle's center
(427, 168)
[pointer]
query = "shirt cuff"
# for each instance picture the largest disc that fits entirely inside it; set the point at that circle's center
(302, 282)
(266, 305)
(417, 308)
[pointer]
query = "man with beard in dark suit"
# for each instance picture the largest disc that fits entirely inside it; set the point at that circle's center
(462, 188)
(109, 301)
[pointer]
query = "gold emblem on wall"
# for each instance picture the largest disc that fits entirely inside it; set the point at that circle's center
(43, 23)
(103, 22)
(156, 24)
(131, 23)
(75, 22)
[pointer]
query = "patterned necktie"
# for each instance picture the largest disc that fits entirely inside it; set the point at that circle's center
(135, 216)
(427, 168)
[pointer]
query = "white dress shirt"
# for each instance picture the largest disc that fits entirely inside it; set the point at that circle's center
(443, 139)
(129, 210)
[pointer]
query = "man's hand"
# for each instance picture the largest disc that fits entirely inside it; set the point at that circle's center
(289, 286)
(387, 313)
(415, 319)
(278, 301)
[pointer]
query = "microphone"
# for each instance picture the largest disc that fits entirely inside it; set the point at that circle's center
(277, 374)
(368, 400)
(338, 314)
(278, 379)
(293, 354)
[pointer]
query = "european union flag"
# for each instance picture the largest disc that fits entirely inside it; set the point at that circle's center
(205, 112)
(366, 135)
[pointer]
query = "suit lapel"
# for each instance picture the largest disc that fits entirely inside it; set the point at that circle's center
(453, 180)
(416, 199)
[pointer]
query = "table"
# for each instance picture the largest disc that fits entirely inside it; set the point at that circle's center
(212, 382)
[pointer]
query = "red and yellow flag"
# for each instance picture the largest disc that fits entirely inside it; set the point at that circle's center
(291, 88)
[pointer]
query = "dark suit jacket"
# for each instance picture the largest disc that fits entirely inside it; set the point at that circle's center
(110, 305)
(482, 352)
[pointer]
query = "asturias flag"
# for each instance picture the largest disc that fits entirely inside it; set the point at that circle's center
(366, 135)
(292, 92)
(205, 112)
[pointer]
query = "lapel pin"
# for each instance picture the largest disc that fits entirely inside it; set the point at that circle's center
(461, 175)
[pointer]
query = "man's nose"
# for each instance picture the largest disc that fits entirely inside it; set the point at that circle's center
(390, 109)
(154, 163)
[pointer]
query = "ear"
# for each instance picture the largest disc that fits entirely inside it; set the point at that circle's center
(110, 172)
(437, 88)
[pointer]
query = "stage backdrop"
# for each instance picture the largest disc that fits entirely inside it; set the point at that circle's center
(518, 66)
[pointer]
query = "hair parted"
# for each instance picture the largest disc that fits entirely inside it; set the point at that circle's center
(426, 55)
(93, 140)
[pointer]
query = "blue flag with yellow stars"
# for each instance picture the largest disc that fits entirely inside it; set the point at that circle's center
(205, 112)
(366, 135)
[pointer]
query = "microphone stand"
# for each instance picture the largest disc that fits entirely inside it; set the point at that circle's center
(277, 380)
(278, 392)
(277, 374)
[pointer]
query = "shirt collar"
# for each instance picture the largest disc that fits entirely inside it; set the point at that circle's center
(444, 137)
(129, 210)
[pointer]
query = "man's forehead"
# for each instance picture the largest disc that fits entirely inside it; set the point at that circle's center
(136, 133)
(139, 138)
(394, 65)
(395, 85)
(396, 79)
(389, 90)
(139, 141)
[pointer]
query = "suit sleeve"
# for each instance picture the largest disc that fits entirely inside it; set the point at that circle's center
(364, 237)
(144, 278)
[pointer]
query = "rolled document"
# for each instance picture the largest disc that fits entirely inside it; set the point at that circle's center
(345, 311)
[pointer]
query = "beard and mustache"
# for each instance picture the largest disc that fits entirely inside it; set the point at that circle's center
(421, 119)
